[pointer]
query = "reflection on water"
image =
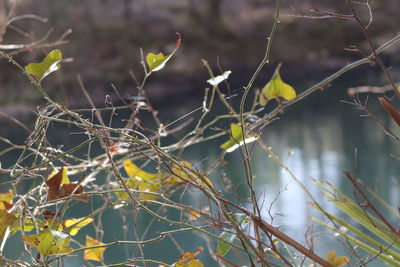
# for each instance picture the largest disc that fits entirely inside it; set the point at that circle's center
(311, 144)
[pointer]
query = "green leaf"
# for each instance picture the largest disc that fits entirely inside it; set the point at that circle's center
(225, 247)
(49, 64)
(229, 236)
(237, 139)
(49, 242)
(276, 88)
(157, 61)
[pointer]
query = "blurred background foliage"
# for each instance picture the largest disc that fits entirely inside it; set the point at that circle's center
(107, 36)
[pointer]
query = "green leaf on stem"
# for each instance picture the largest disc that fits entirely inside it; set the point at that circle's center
(49, 64)
(156, 62)
(276, 88)
(237, 139)
(225, 247)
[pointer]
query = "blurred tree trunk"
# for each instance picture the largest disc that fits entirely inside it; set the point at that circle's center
(214, 17)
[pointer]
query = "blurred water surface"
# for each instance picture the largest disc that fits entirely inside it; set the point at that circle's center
(317, 138)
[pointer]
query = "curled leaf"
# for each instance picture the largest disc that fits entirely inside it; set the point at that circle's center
(94, 254)
(49, 242)
(237, 139)
(156, 62)
(276, 88)
(49, 64)
(390, 109)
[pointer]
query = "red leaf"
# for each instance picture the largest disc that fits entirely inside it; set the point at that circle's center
(67, 189)
(56, 190)
(54, 184)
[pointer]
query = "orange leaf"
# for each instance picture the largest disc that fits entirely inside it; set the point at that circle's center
(188, 259)
(94, 254)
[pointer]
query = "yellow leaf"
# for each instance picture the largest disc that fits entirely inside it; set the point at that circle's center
(187, 173)
(123, 195)
(148, 188)
(188, 259)
(6, 200)
(49, 242)
(145, 181)
(6, 220)
(49, 64)
(336, 260)
(276, 88)
(137, 174)
(74, 225)
(8, 197)
(94, 254)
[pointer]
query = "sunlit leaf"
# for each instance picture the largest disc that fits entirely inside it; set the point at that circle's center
(6, 200)
(49, 242)
(94, 254)
(74, 225)
(276, 88)
(156, 62)
(58, 190)
(147, 190)
(6, 220)
(336, 260)
(137, 174)
(146, 182)
(217, 80)
(236, 140)
(8, 197)
(49, 64)
(188, 259)
(28, 225)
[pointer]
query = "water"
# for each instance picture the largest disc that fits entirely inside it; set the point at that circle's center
(317, 138)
